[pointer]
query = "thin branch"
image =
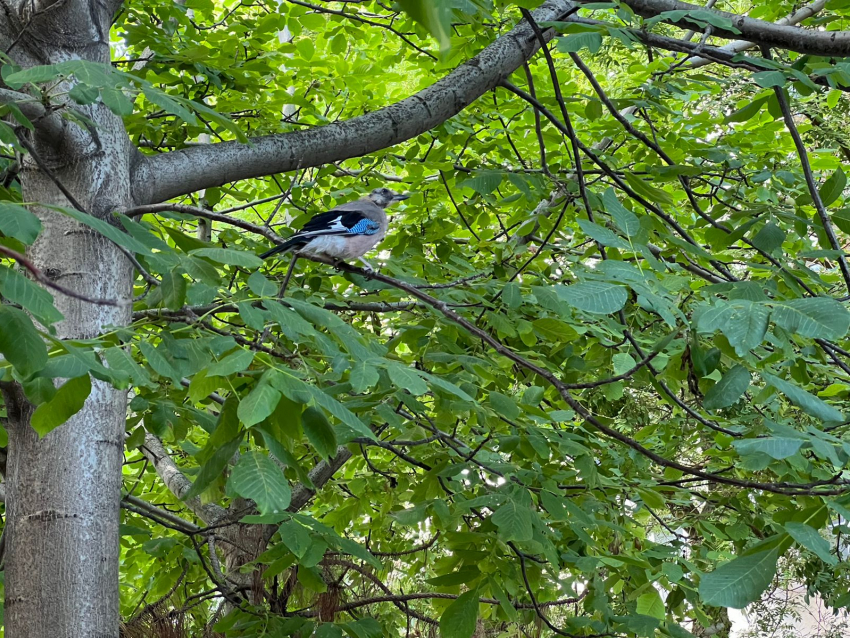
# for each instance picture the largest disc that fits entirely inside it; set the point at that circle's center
(49, 283)
(357, 18)
(446, 310)
(826, 222)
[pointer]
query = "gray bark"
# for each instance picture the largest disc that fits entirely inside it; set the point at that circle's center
(63, 491)
(820, 43)
(162, 177)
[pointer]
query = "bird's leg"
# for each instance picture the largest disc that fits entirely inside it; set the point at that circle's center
(366, 265)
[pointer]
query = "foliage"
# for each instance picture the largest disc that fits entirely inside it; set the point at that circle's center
(690, 303)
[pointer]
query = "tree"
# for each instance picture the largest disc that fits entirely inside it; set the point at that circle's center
(597, 388)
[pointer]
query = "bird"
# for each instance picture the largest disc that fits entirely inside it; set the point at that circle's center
(346, 232)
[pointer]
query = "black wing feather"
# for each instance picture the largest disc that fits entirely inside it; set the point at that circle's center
(348, 218)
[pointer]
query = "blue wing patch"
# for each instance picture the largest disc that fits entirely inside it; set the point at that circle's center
(364, 227)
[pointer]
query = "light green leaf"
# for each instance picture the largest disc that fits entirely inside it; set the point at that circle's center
(319, 431)
(729, 389)
(434, 15)
(363, 376)
(575, 42)
(594, 296)
(170, 104)
(623, 362)
(461, 617)
(833, 187)
(745, 325)
(16, 221)
(514, 521)
(213, 468)
(808, 537)
(739, 582)
(258, 405)
(816, 317)
(106, 229)
(67, 401)
(234, 362)
(258, 478)
(650, 604)
(504, 405)
(625, 219)
(769, 79)
(230, 257)
(20, 342)
(769, 238)
(805, 401)
(261, 286)
(406, 378)
(776, 447)
(20, 290)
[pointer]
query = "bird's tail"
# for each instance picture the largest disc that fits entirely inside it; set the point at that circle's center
(288, 245)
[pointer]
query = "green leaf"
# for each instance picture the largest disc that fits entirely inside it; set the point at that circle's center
(805, 401)
(461, 617)
(319, 432)
(575, 42)
(20, 342)
(170, 104)
(106, 229)
(514, 522)
(775, 447)
(258, 478)
(769, 79)
(625, 219)
(234, 362)
(16, 221)
(406, 378)
(769, 238)
(504, 405)
(117, 101)
(300, 392)
(213, 468)
(67, 401)
(20, 290)
(729, 389)
(229, 256)
(483, 182)
(746, 112)
(258, 405)
(746, 325)
(645, 190)
(833, 187)
(808, 537)
(261, 286)
(363, 376)
(434, 15)
(739, 582)
(594, 297)
(816, 317)
(650, 604)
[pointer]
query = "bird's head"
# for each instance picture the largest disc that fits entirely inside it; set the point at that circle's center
(383, 197)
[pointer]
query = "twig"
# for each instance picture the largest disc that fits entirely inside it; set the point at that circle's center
(47, 281)
(810, 178)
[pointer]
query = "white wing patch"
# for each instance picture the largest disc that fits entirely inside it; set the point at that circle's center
(335, 226)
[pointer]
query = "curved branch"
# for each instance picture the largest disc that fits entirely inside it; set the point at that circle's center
(821, 43)
(158, 178)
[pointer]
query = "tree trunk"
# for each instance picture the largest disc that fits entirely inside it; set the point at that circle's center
(63, 491)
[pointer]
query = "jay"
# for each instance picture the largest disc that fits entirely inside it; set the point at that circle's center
(346, 232)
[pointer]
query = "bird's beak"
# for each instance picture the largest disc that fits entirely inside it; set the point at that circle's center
(402, 197)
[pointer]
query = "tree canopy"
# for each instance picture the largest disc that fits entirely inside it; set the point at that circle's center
(599, 385)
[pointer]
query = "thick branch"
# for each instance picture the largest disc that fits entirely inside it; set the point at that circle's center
(821, 43)
(162, 177)
(176, 481)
